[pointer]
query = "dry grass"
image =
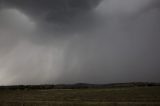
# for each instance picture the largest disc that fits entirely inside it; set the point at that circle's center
(135, 96)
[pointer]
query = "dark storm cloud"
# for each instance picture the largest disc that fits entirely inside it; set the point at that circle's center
(55, 10)
(69, 41)
(66, 15)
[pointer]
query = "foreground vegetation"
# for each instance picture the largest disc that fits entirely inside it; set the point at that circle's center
(117, 96)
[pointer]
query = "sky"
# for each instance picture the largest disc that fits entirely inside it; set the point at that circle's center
(73, 41)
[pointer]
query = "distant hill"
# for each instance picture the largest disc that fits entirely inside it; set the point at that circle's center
(78, 86)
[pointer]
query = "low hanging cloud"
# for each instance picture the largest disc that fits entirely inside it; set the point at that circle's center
(71, 41)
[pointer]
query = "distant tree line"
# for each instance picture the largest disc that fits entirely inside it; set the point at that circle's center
(78, 86)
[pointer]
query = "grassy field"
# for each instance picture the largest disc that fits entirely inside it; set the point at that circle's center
(133, 96)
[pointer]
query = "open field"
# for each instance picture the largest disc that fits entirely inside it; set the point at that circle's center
(127, 96)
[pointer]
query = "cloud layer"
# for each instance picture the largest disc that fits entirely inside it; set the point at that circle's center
(72, 41)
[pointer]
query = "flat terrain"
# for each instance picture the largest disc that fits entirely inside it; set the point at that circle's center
(129, 96)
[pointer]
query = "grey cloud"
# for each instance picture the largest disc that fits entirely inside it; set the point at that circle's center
(66, 15)
(104, 42)
(55, 10)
